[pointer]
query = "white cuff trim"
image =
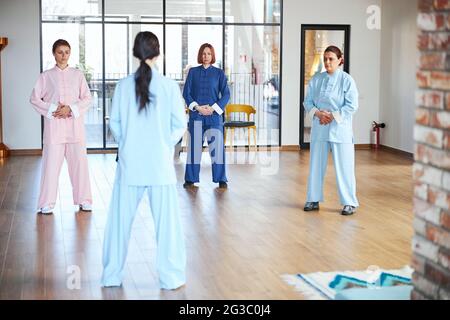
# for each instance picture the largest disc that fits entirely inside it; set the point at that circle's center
(217, 109)
(193, 105)
(52, 109)
(312, 113)
(337, 116)
(75, 110)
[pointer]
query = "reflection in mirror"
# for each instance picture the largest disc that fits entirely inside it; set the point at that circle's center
(315, 43)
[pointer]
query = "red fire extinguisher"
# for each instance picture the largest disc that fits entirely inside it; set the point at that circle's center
(376, 132)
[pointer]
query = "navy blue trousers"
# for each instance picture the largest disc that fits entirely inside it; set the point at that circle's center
(214, 134)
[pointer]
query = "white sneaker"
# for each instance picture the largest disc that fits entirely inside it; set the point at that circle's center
(86, 207)
(46, 210)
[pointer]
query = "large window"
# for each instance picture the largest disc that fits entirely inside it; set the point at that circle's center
(245, 34)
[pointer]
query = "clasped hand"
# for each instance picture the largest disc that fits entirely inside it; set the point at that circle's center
(205, 110)
(325, 117)
(62, 112)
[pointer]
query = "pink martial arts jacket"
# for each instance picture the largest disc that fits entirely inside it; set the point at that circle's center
(69, 87)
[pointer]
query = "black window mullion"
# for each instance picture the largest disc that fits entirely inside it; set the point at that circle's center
(223, 35)
(41, 67)
(164, 37)
(104, 75)
(280, 73)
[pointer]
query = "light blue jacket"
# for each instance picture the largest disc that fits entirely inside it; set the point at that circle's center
(338, 94)
(146, 139)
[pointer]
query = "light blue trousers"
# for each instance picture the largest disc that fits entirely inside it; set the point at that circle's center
(171, 254)
(344, 164)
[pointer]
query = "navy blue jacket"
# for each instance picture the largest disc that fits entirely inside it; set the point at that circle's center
(206, 87)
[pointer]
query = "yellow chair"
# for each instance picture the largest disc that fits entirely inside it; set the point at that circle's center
(233, 113)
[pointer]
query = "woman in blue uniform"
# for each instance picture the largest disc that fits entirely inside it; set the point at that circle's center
(331, 101)
(147, 120)
(206, 94)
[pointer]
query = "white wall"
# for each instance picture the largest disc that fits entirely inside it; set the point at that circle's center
(19, 21)
(364, 60)
(398, 72)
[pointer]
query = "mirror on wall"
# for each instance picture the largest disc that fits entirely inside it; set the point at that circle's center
(314, 40)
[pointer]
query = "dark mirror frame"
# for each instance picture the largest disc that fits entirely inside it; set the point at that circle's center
(309, 27)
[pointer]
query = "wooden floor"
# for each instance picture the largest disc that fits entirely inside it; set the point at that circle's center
(239, 241)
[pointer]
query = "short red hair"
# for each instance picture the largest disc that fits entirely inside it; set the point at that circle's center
(200, 53)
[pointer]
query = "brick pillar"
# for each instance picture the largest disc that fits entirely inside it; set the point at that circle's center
(431, 171)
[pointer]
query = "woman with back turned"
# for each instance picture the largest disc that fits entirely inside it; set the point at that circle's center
(147, 120)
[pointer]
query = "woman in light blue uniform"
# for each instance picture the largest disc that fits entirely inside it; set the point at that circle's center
(147, 120)
(206, 93)
(331, 101)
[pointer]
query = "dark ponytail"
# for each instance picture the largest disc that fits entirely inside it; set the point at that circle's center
(146, 46)
(143, 77)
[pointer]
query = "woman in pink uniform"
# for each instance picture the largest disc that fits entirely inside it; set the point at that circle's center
(62, 96)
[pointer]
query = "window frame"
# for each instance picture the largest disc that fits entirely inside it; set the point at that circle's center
(164, 23)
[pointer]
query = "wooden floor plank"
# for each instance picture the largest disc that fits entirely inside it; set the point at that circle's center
(239, 241)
